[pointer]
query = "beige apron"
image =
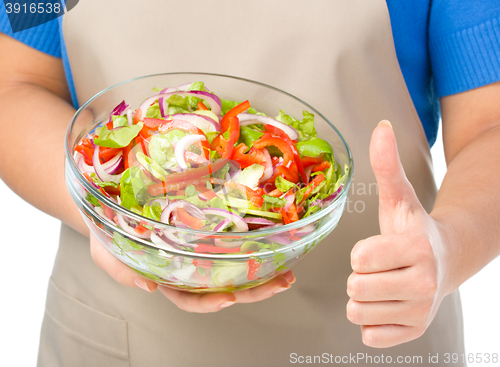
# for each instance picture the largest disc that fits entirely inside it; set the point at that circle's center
(336, 55)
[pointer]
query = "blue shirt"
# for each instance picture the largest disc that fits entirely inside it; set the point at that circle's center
(443, 47)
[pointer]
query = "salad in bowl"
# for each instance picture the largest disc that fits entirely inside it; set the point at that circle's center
(204, 190)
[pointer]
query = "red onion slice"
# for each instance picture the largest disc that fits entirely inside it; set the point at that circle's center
(160, 243)
(177, 239)
(289, 201)
(100, 170)
(163, 202)
(204, 123)
(194, 211)
(269, 227)
(190, 208)
(118, 110)
(230, 243)
(334, 195)
(308, 229)
(129, 229)
(84, 167)
(195, 158)
(222, 224)
(268, 172)
(252, 220)
(130, 117)
(281, 239)
(183, 144)
(308, 171)
(249, 119)
(240, 224)
(211, 99)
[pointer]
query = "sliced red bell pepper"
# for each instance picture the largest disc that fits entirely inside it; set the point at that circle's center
(87, 143)
(253, 267)
(234, 135)
(290, 174)
(275, 193)
(105, 154)
(254, 156)
(86, 152)
(230, 122)
(192, 176)
(188, 219)
(296, 155)
(127, 156)
(311, 161)
(207, 192)
(201, 248)
(314, 183)
(292, 213)
(267, 140)
(233, 112)
(285, 217)
(219, 144)
(201, 106)
(138, 116)
(140, 229)
(321, 167)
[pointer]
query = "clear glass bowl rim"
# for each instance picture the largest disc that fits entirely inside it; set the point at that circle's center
(159, 225)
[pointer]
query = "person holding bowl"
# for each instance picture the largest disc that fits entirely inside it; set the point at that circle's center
(403, 251)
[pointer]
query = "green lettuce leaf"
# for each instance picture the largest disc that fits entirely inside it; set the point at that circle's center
(151, 165)
(154, 111)
(248, 136)
(275, 202)
(251, 175)
(228, 104)
(92, 200)
(314, 147)
(117, 138)
(100, 183)
(119, 121)
(161, 148)
(134, 189)
(304, 127)
(152, 210)
(283, 185)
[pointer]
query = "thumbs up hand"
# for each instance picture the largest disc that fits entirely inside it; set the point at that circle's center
(398, 277)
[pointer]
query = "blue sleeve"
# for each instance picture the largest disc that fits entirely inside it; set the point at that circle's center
(43, 38)
(464, 44)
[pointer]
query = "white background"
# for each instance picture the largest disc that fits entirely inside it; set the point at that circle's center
(29, 246)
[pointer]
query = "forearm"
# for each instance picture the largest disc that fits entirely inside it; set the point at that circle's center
(467, 208)
(34, 123)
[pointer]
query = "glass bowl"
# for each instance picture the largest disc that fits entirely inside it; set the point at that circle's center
(264, 253)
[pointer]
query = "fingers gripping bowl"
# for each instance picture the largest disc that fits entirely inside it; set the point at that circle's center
(199, 192)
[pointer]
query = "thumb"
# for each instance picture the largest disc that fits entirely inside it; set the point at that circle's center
(395, 191)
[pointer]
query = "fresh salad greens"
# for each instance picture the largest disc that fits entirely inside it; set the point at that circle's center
(187, 158)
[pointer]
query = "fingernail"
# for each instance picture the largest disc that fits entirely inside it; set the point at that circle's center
(227, 304)
(293, 280)
(142, 284)
(282, 289)
(385, 122)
